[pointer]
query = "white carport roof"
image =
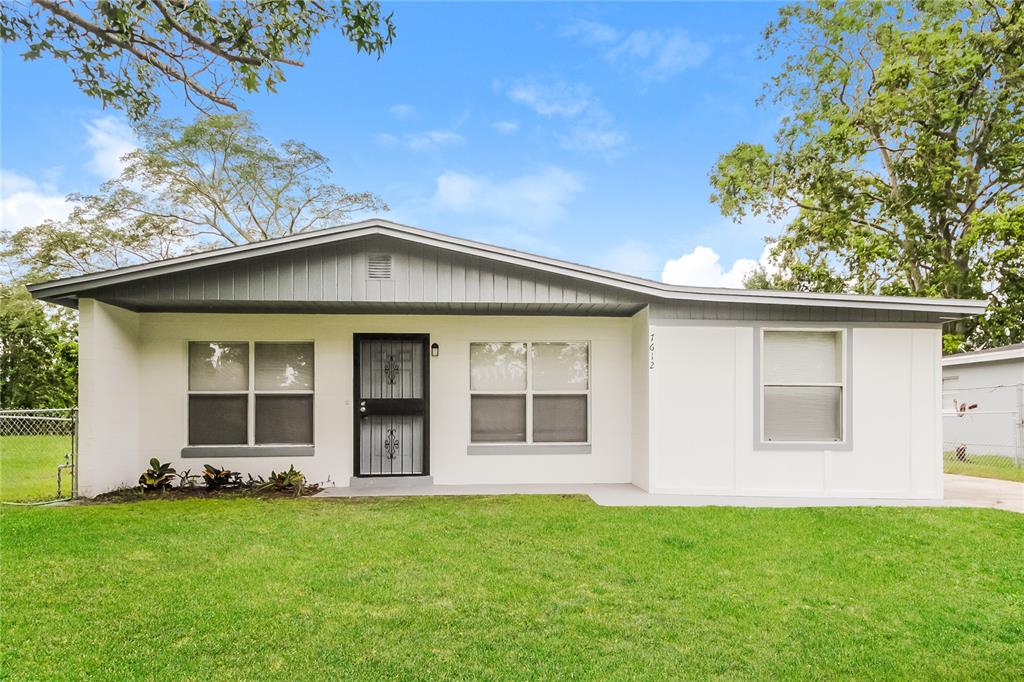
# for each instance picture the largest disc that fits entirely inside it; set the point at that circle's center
(1014, 352)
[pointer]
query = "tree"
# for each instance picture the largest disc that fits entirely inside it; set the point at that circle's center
(901, 157)
(38, 353)
(220, 176)
(121, 50)
(215, 182)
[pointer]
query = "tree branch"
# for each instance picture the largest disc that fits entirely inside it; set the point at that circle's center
(110, 38)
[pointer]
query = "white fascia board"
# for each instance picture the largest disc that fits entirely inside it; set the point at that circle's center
(976, 358)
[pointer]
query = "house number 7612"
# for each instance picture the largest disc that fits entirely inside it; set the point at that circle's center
(652, 350)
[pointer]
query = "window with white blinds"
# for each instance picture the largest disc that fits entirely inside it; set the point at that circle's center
(530, 392)
(245, 393)
(803, 380)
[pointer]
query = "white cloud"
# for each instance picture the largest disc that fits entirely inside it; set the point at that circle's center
(594, 139)
(403, 112)
(554, 98)
(536, 199)
(660, 54)
(110, 138)
(590, 32)
(25, 202)
(593, 130)
(506, 127)
(432, 139)
(656, 54)
(703, 267)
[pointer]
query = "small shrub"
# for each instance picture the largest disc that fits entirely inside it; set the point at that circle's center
(158, 476)
(215, 478)
(186, 479)
(293, 479)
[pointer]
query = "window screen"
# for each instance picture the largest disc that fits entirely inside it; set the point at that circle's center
(498, 418)
(218, 419)
(217, 366)
(284, 419)
(559, 419)
(530, 392)
(284, 366)
(228, 381)
(803, 386)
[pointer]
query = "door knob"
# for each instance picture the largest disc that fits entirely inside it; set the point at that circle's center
(363, 409)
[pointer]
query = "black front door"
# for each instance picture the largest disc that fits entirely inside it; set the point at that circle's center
(392, 409)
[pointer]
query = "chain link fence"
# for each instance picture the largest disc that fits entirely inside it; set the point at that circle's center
(983, 431)
(38, 453)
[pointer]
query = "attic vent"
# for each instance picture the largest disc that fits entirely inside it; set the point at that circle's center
(378, 266)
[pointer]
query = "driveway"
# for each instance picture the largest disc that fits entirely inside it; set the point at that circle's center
(971, 491)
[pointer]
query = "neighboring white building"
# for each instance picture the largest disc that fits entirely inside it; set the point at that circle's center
(983, 402)
(378, 349)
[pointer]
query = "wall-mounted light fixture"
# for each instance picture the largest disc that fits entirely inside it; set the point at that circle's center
(435, 350)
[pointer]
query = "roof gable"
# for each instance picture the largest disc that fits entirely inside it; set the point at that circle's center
(379, 271)
(326, 263)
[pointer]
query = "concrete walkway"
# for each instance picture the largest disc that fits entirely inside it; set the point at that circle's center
(971, 491)
(961, 491)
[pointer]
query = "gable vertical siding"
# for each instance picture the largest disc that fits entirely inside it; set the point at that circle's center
(444, 280)
(337, 273)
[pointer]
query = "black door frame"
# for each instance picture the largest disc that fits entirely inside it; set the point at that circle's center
(357, 340)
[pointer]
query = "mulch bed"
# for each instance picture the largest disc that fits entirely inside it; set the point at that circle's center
(198, 492)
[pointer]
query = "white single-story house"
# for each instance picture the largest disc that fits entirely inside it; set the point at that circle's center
(376, 349)
(983, 402)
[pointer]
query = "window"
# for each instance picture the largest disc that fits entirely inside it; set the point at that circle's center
(802, 386)
(242, 393)
(529, 392)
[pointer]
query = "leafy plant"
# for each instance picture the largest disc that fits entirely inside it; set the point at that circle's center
(158, 476)
(292, 479)
(215, 478)
(187, 479)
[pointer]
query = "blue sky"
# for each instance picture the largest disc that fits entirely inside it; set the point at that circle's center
(583, 132)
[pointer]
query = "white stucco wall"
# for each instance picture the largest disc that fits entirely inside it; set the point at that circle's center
(683, 425)
(639, 400)
(992, 428)
(108, 398)
(163, 380)
(702, 413)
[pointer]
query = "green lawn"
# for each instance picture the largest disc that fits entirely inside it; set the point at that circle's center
(28, 467)
(508, 587)
(985, 466)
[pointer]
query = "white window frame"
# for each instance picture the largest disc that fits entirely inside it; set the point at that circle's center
(251, 392)
(529, 392)
(842, 385)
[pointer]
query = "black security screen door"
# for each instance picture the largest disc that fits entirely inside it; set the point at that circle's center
(392, 388)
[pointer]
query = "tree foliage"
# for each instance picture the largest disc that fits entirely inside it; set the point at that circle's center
(901, 157)
(38, 353)
(225, 180)
(214, 182)
(121, 50)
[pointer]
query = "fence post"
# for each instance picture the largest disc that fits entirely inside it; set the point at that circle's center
(1020, 426)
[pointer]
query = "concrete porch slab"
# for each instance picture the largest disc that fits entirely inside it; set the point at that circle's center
(971, 492)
